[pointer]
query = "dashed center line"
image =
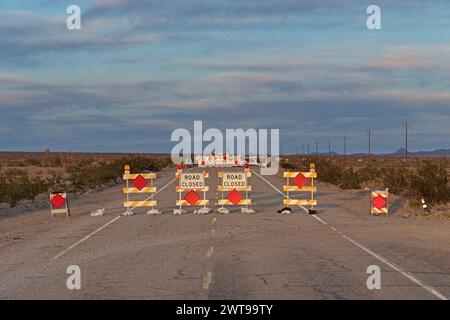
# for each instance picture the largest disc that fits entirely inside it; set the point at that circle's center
(210, 252)
(207, 279)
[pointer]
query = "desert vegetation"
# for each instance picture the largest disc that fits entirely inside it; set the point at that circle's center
(26, 177)
(416, 179)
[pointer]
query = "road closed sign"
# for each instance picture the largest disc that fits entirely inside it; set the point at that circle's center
(192, 181)
(234, 180)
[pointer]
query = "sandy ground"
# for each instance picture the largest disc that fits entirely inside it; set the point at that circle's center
(235, 256)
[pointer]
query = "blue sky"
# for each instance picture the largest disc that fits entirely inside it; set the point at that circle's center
(137, 70)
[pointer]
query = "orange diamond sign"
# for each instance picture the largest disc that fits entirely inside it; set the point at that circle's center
(379, 202)
(235, 197)
(300, 180)
(192, 197)
(57, 201)
(140, 182)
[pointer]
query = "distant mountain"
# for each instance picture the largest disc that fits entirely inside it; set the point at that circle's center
(434, 153)
(399, 153)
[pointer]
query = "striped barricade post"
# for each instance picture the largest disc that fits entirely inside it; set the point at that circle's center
(237, 186)
(142, 183)
(59, 204)
(301, 181)
(192, 184)
(380, 202)
(179, 170)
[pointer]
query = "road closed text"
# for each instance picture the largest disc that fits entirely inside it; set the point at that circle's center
(234, 180)
(192, 181)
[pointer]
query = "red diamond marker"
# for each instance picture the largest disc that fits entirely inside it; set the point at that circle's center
(379, 202)
(192, 197)
(140, 182)
(235, 197)
(57, 201)
(300, 180)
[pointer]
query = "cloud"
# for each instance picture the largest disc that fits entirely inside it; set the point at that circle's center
(140, 68)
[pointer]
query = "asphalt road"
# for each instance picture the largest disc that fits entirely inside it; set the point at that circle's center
(235, 256)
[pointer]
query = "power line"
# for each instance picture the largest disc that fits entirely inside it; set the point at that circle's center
(405, 128)
(329, 148)
(345, 147)
(369, 134)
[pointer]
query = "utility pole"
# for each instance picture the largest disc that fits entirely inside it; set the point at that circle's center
(308, 149)
(370, 134)
(345, 147)
(303, 149)
(405, 128)
(329, 148)
(317, 148)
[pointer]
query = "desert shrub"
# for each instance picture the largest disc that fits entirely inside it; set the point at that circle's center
(16, 185)
(288, 166)
(12, 190)
(350, 179)
(328, 172)
(11, 173)
(397, 179)
(85, 175)
(369, 173)
(431, 182)
(32, 162)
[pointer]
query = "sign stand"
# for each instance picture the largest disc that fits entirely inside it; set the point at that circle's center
(59, 204)
(380, 202)
(300, 180)
(139, 182)
(234, 183)
(192, 184)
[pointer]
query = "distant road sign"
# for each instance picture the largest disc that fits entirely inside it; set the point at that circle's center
(192, 181)
(234, 180)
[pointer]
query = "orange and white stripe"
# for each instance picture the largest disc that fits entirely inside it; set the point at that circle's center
(136, 190)
(303, 202)
(297, 189)
(289, 174)
(384, 194)
(134, 176)
(374, 210)
(226, 202)
(134, 204)
(198, 203)
(179, 189)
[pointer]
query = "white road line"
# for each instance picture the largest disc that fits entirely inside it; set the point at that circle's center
(207, 279)
(85, 238)
(275, 188)
(213, 231)
(406, 274)
(214, 220)
(210, 252)
(105, 225)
